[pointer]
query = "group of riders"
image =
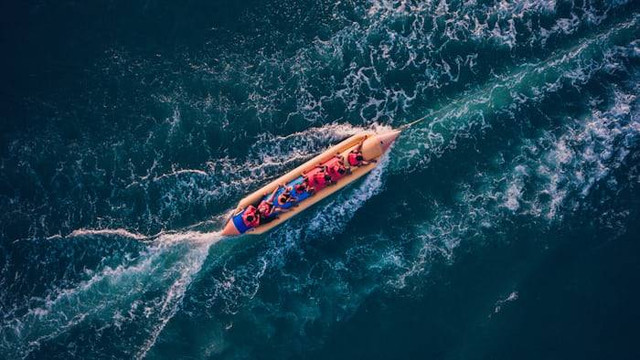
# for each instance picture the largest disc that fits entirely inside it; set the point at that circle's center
(323, 175)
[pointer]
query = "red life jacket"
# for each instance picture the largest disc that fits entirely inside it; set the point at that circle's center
(316, 177)
(333, 166)
(251, 210)
(352, 158)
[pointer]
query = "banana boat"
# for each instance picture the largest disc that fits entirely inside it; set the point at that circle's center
(368, 145)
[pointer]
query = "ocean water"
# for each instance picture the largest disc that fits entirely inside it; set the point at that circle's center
(504, 226)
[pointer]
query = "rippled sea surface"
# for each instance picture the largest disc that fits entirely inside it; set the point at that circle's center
(504, 226)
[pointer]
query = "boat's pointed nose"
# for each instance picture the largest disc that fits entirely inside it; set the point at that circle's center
(376, 145)
(387, 139)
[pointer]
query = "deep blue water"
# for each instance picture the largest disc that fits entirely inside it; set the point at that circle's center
(505, 226)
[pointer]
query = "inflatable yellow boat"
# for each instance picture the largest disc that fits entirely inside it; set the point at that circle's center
(371, 146)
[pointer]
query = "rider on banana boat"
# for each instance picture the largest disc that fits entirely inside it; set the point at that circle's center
(303, 187)
(251, 217)
(267, 210)
(335, 168)
(318, 178)
(285, 198)
(355, 158)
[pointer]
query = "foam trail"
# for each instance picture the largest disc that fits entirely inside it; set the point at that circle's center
(165, 268)
(473, 113)
(559, 171)
(187, 270)
(107, 232)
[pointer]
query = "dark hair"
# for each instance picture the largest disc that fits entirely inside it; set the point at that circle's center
(359, 157)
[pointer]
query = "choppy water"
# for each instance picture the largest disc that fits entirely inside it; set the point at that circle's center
(505, 226)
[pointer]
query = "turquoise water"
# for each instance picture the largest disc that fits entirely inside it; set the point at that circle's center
(504, 226)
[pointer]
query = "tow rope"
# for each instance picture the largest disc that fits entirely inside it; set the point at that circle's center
(406, 126)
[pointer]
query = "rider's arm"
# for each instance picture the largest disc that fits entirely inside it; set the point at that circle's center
(273, 194)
